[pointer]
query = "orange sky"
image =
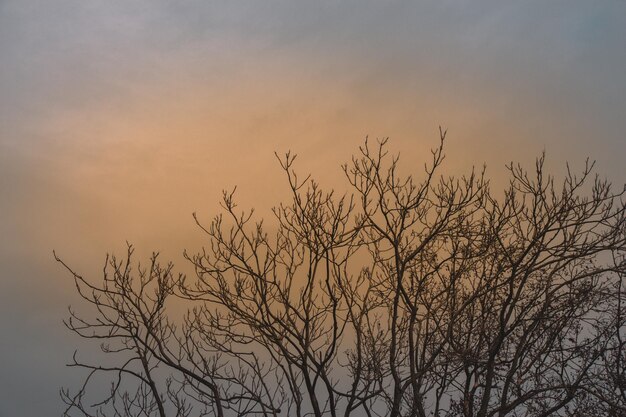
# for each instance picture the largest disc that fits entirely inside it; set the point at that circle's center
(119, 119)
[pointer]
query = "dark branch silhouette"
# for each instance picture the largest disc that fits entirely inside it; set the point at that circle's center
(410, 296)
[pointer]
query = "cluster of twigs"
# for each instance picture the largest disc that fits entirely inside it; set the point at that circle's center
(429, 297)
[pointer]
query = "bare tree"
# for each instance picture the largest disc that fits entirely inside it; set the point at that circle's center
(409, 296)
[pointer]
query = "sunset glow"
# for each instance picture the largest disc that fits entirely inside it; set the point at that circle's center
(118, 120)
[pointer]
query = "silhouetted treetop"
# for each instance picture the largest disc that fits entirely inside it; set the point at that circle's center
(420, 295)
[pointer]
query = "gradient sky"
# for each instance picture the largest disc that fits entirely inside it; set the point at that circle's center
(118, 119)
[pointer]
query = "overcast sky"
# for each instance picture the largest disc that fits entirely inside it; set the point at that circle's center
(118, 119)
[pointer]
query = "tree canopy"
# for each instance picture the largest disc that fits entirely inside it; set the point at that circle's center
(420, 295)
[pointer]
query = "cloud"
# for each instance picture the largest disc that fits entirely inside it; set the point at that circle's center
(118, 119)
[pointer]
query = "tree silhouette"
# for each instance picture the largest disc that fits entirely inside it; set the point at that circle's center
(426, 296)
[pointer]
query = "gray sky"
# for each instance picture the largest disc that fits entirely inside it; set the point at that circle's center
(118, 119)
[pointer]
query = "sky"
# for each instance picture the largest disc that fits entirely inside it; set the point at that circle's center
(119, 119)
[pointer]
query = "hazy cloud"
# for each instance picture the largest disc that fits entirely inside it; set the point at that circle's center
(118, 119)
